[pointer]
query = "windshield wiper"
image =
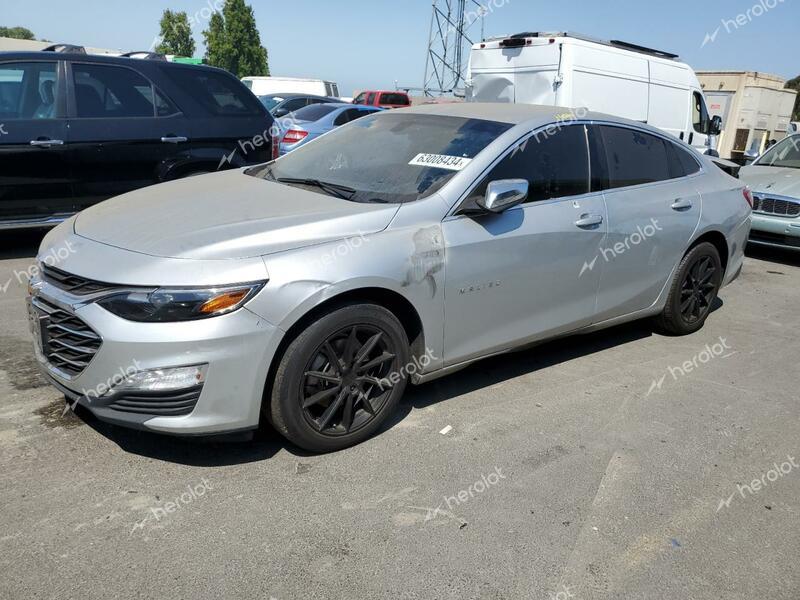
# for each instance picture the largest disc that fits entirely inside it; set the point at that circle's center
(334, 189)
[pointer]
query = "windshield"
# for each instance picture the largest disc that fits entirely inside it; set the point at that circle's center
(270, 102)
(388, 157)
(784, 154)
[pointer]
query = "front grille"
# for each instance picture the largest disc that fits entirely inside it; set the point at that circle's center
(67, 342)
(74, 284)
(172, 404)
(776, 206)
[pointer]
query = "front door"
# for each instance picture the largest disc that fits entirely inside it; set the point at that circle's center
(527, 273)
(34, 171)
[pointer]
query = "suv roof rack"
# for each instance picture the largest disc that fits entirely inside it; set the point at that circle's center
(70, 48)
(144, 55)
(586, 38)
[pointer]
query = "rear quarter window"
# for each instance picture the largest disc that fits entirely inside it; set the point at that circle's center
(398, 99)
(634, 157)
(217, 93)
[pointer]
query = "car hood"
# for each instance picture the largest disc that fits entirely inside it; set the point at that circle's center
(781, 181)
(226, 215)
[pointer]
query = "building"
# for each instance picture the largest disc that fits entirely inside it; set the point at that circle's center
(755, 108)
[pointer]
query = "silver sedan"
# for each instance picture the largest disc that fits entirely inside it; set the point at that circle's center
(308, 291)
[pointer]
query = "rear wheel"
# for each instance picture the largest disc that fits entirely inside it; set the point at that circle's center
(693, 291)
(340, 379)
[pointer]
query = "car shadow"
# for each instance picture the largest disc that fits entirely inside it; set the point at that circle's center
(266, 443)
(790, 258)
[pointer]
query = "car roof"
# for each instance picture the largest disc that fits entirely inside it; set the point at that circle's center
(100, 58)
(291, 95)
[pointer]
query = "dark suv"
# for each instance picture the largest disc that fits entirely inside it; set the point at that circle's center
(76, 129)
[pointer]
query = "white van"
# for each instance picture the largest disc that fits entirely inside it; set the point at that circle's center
(261, 86)
(566, 69)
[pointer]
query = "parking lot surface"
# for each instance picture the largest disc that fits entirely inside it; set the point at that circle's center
(621, 464)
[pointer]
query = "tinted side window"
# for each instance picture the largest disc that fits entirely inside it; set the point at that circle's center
(28, 90)
(555, 165)
(295, 104)
(634, 157)
(103, 91)
(400, 99)
(219, 94)
(680, 163)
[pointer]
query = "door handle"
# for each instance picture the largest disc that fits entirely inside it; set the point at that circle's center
(589, 221)
(174, 139)
(682, 204)
(46, 143)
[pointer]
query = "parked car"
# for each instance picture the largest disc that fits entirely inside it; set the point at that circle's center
(383, 99)
(261, 86)
(775, 180)
(280, 105)
(406, 244)
(79, 129)
(619, 78)
(309, 123)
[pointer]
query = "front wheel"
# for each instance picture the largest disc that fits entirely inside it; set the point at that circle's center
(693, 291)
(340, 379)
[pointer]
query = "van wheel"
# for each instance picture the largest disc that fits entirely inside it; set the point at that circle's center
(340, 379)
(693, 291)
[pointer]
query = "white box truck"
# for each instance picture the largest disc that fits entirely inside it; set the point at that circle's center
(575, 71)
(262, 86)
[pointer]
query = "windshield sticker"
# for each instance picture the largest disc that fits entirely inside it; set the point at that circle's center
(440, 161)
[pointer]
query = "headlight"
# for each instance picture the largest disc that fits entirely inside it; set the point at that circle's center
(172, 305)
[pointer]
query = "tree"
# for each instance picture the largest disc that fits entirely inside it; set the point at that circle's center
(794, 84)
(20, 33)
(176, 34)
(233, 42)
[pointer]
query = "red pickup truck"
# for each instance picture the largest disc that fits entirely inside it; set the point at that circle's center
(383, 99)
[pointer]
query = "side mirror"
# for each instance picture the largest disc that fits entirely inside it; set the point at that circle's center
(281, 112)
(750, 155)
(503, 194)
(715, 127)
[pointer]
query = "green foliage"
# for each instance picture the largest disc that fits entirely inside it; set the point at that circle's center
(794, 84)
(19, 33)
(176, 34)
(233, 42)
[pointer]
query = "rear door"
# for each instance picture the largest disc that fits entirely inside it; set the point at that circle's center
(34, 170)
(653, 210)
(229, 126)
(122, 131)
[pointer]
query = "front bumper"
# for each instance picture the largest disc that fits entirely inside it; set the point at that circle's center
(778, 232)
(237, 347)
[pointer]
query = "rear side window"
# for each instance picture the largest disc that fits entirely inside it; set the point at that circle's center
(103, 91)
(634, 157)
(27, 90)
(219, 94)
(680, 163)
(555, 165)
(314, 112)
(397, 99)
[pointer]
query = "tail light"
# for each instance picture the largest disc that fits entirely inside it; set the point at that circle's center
(748, 195)
(276, 145)
(294, 135)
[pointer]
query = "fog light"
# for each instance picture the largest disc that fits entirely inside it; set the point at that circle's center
(163, 380)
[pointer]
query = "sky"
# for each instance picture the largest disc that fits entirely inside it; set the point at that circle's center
(375, 43)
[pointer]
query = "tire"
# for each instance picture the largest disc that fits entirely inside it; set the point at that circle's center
(693, 281)
(357, 348)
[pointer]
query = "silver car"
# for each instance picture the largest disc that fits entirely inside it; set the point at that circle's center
(403, 246)
(775, 181)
